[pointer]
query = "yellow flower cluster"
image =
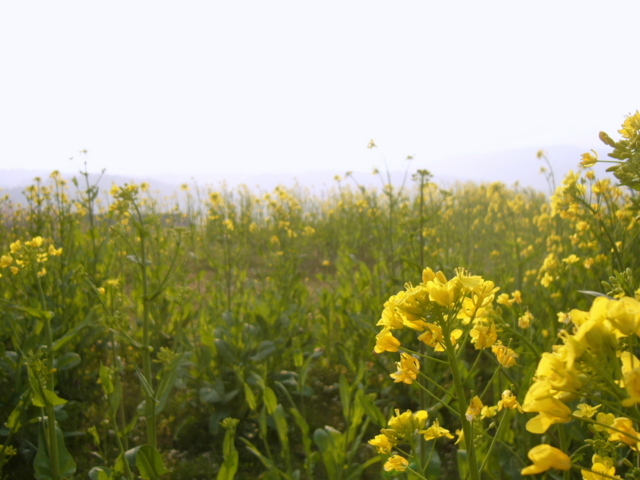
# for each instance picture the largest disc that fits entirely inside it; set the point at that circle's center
(559, 377)
(31, 252)
(403, 428)
(470, 296)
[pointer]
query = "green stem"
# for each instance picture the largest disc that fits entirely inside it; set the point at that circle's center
(51, 414)
(564, 446)
(150, 407)
(435, 384)
(462, 407)
(493, 441)
(437, 360)
(439, 400)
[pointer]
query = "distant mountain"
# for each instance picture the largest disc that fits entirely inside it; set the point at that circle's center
(509, 167)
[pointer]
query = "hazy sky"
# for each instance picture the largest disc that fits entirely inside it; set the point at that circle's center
(274, 86)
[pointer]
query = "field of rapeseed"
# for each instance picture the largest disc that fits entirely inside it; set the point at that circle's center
(409, 332)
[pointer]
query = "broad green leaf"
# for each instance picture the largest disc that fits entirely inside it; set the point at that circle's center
(99, 473)
(210, 395)
(67, 361)
(370, 408)
(224, 351)
(270, 400)
(71, 334)
(146, 386)
(149, 463)
(281, 427)
(166, 383)
(345, 397)
(249, 395)
(105, 379)
(265, 350)
(42, 464)
(229, 467)
(265, 461)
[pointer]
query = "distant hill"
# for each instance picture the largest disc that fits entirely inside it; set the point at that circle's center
(508, 167)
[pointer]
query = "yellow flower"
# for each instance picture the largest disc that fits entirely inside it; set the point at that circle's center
(383, 444)
(42, 272)
(460, 434)
(443, 294)
(35, 242)
(600, 465)
(406, 424)
(632, 384)
(408, 368)
(550, 410)
(396, 462)
(510, 401)
(599, 468)
(15, 246)
(386, 342)
(475, 408)
(517, 296)
(588, 159)
(435, 431)
(626, 433)
(432, 336)
(503, 299)
(5, 261)
(605, 419)
(506, 357)
(525, 320)
(488, 412)
(545, 457)
(624, 314)
(585, 410)
(483, 334)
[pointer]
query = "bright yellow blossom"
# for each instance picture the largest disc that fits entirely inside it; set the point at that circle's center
(510, 401)
(408, 368)
(545, 457)
(386, 342)
(475, 408)
(585, 410)
(506, 356)
(396, 462)
(435, 431)
(383, 444)
(624, 432)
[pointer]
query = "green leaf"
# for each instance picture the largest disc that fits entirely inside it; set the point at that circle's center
(166, 383)
(265, 350)
(67, 361)
(99, 473)
(370, 408)
(105, 379)
(42, 464)
(224, 351)
(265, 461)
(229, 467)
(281, 427)
(210, 395)
(304, 428)
(270, 400)
(147, 460)
(251, 398)
(71, 334)
(35, 312)
(145, 384)
(345, 396)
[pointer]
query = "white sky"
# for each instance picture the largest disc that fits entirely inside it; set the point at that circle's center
(273, 86)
